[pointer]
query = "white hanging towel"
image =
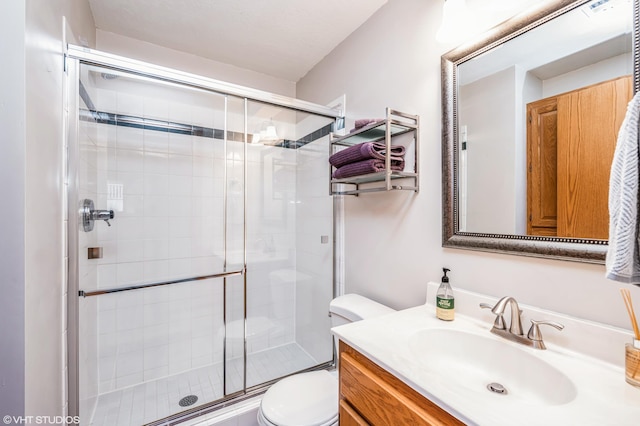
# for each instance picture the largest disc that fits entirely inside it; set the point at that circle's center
(623, 254)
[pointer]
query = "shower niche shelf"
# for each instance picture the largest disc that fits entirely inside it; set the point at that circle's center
(397, 127)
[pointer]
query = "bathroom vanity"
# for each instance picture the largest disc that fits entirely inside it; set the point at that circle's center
(380, 397)
(410, 368)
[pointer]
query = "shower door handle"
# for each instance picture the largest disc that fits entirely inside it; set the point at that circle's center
(89, 215)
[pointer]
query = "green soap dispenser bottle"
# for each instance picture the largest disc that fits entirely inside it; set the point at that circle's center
(444, 299)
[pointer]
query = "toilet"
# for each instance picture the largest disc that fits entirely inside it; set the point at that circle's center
(311, 399)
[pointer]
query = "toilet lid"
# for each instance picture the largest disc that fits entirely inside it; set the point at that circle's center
(302, 399)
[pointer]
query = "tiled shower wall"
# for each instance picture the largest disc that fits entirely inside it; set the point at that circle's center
(170, 227)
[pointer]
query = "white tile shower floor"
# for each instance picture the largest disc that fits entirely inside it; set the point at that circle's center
(150, 401)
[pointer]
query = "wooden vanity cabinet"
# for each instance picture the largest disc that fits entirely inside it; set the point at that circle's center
(370, 395)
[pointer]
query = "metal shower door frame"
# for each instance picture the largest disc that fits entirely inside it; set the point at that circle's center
(74, 57)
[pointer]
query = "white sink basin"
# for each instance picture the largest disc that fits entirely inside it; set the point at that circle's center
(470, 362)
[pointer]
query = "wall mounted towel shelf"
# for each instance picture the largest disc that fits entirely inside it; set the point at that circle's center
(399, 127)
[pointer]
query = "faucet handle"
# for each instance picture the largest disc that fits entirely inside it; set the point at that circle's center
(499, 321)
(535, 335)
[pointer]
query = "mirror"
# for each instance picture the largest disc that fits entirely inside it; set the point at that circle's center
(531, 113)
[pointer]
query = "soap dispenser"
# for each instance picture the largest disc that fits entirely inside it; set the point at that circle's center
(444, 299)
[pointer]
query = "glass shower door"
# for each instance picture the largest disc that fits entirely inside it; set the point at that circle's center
(156, 306)
(289, 242)
(201, 268)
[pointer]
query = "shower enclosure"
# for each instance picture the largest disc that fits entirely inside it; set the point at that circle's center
(200, 240)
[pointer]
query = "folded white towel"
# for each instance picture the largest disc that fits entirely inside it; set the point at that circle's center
(623, 255)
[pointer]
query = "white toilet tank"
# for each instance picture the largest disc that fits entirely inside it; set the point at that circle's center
(353, 307)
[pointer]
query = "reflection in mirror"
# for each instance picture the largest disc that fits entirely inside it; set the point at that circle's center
(538, 109)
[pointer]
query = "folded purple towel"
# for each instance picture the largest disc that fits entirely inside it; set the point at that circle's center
(371, 165)
(360, 123)
(365, 151)
(365, 121)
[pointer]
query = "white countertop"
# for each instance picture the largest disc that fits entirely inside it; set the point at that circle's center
(602, 395)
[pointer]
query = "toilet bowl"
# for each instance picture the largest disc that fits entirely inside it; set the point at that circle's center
(311, 399)
(302, 399)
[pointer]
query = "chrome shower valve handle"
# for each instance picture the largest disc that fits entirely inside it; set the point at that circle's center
(89, 215)
(105, 215)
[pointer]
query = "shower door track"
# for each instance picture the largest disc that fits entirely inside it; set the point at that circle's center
(83, 293)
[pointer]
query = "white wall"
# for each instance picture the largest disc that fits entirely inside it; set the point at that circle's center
(35, 252)
(393, 241)
(45, 267)
(600, 71)
(489, 114)
(144, 51)
(12, 220)
(523, 86)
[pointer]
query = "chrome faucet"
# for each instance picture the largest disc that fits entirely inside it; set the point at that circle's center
(514, 333)
(515, 326)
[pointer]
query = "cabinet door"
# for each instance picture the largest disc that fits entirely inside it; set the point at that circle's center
(588, 124)
(542, 185)
(349, 417)
(380, 398)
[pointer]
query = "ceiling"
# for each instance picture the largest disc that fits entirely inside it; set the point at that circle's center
(568, 42)
(281, 38)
